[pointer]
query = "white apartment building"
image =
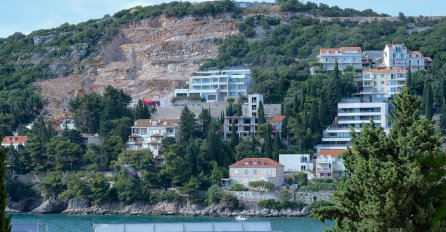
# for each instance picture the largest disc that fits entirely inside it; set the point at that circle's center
(353, 113)
(257, 169)
(247, 123)
(329, 164)
(147, 134)
(382, 83)
(216, 85)
(296, 162)
(345, 56)
(396, 56)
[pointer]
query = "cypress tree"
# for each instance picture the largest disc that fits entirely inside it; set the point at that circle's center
(409, 79)
(234, 135)
(295, 105)
(443, 117)
(261, 114)
(429, 101)
(277, 146)
(5, 219)
(324, 118)
(314, 119)
(336, 72)
(205, 120)
(142, 111)
(268, 142)
(188, 125)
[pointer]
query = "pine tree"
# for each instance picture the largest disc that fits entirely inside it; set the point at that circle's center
(261, 114)
(234, 135)
(396, 182)
(268, 142)
(188, 125)
(142, 111)
(429, 101)
(5, 220)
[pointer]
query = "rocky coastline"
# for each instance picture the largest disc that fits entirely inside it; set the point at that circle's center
(82, 207)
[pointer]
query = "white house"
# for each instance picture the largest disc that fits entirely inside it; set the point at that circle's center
(296, 162)
(329, 164)
(353, 113)
(14, 141)
(147, 134)
(257, 169)
(217, 85)
(345, 56)
(396, 56)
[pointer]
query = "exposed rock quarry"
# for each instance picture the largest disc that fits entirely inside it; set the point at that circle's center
(146, 59)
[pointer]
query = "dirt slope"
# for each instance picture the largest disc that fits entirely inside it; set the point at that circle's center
(147, 59)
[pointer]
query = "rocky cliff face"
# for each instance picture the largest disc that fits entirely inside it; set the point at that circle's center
(146, 59)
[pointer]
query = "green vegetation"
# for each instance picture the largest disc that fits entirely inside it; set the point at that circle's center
(238, 187)
(262, 185)
(18, 191)
(273, 204)
(397, 181)
(5, 219)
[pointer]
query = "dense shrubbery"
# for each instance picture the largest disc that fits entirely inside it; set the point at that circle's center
(318, 186)
(238, 187)
(318, 204)
(262, 185)
(18, 191)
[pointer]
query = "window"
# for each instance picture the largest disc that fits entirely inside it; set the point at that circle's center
(253, 99)
(236, 171)
(247, 121)
(268, 172)
(254, 107)
(303, 168)
(303, 159)
(245, 171)
(254, 171)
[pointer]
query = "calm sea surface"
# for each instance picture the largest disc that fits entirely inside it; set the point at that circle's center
(84, 223)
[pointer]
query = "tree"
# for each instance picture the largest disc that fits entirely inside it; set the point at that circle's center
(409, 79)
(268, 142)
(64, 155)
(128, 187)
(234, 135)
(396, 182)
(215, 194)
(138, 159)
(324, 117)
(443, 117)
(285, 195)
(5, 220)
(428, 101)
(261, 114)
(188, 125)
(142, 110)
(205, 120)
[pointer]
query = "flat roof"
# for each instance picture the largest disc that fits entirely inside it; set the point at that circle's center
(186, 227)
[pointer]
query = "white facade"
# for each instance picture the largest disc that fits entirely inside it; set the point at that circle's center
(216, 85)
(147, 134)
(353, 113)
(382, 83)
(329, 164)
(296, 162)
(345, 56)
(247, 123)
(257, 169)
(396, 56)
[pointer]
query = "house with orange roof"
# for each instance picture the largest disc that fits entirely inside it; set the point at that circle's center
(397, 56)
(344, 56)
(14, 141)
(148, 134)
(382, 83)
(257, 169)
(329, 164)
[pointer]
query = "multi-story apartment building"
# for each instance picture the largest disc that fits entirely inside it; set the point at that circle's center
(296, 162)
(396, 56)
(216, 85)
(329, 164)
(345, 56)
(247, 123)
(353, 113)
(147, 134)
(382, 83)
(257, 169)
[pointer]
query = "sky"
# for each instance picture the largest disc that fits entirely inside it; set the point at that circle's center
(28, 15)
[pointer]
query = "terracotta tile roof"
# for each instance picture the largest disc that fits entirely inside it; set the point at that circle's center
(333, 153)
(156, 123)
(428, 59)
(15, 139)
(415, 53)
(256, 162)
(385, 71)
(340, 50)
(154, 143)
(277, 118)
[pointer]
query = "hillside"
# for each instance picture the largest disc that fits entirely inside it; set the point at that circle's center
(146, 59)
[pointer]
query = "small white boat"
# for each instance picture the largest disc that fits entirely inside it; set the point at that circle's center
(241, 218)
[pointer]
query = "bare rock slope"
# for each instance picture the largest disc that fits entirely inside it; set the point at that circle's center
(146, 59)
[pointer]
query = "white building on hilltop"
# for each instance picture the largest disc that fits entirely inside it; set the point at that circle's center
(382, 83)
(345, 56)
(247, 123)
(353, 113)
(147, 134)
(216, 85)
